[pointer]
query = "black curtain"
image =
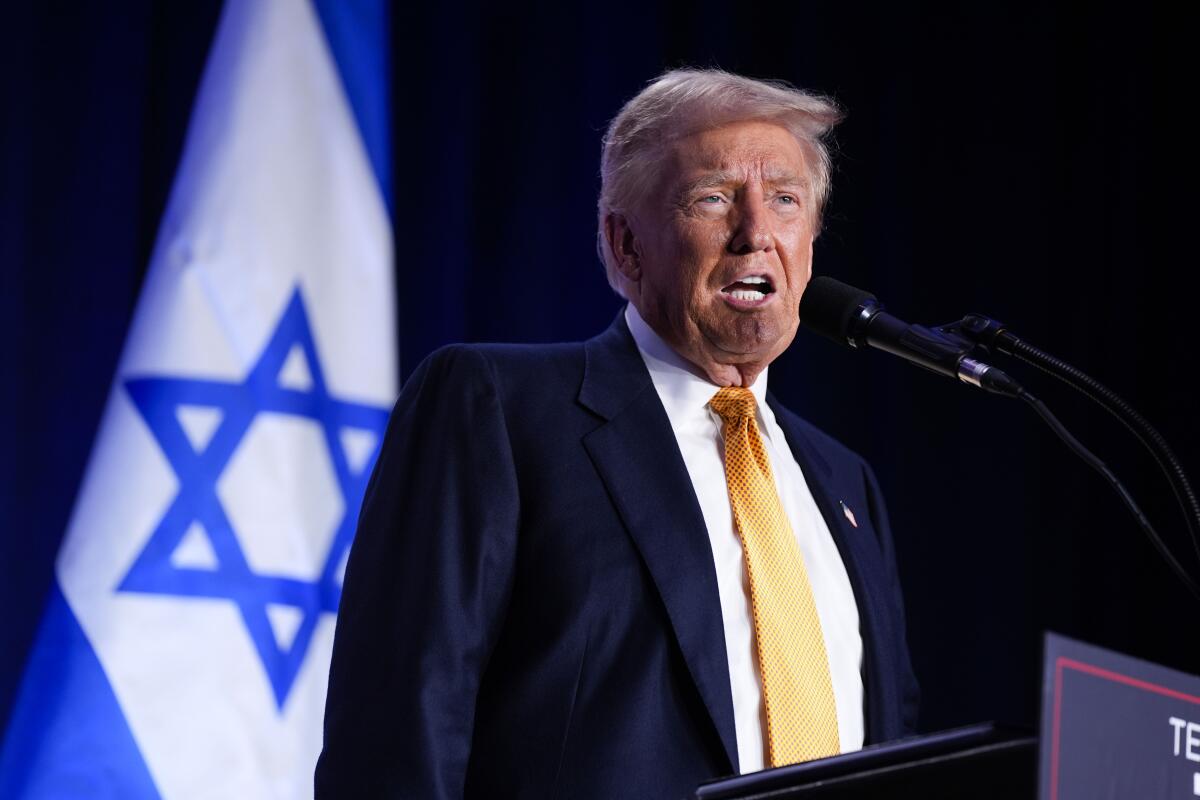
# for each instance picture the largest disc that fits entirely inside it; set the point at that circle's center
(1026, 160)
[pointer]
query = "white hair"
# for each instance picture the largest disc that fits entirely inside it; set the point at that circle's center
(686, 101)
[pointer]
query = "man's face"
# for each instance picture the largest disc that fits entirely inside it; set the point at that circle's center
(724, 247)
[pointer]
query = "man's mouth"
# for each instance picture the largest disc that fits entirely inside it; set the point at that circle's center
(749, 289)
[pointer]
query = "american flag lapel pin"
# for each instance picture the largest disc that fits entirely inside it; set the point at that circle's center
(849, 514)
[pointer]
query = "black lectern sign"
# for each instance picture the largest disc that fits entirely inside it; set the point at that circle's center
(1115, 726)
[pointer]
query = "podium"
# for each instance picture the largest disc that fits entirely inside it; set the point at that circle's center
(982, 762)
(1111, 726)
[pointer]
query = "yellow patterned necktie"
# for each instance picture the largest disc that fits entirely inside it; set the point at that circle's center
(797, 690)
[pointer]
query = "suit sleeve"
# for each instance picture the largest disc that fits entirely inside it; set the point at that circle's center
(909, 690)
(426, 586)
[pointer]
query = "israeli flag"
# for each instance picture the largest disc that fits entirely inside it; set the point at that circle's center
(184, 653)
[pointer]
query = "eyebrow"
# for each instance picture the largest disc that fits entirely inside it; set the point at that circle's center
(712, 180)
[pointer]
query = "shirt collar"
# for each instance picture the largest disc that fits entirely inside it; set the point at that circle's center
(683, 389)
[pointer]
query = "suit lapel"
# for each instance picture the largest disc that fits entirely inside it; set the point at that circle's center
(638, 459)
(860, 554)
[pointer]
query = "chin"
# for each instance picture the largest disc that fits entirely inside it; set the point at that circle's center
(761, 344)
(751, 333)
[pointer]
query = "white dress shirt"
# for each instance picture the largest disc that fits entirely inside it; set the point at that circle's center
(685, 394)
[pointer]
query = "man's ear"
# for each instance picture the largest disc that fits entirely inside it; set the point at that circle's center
(623, 245)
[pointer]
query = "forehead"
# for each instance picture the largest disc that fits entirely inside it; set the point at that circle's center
(739, 149)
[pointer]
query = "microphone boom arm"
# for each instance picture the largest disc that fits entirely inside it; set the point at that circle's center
(995, 336)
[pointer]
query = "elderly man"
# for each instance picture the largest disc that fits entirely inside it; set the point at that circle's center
(619, 568)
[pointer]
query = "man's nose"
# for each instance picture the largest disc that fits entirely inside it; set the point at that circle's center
(752, 231)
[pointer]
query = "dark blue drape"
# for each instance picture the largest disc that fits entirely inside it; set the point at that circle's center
(1021, 160)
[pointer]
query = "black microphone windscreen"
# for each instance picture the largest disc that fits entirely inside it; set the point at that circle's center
(828, 307)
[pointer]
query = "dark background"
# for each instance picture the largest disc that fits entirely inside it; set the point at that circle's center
(1026, 160)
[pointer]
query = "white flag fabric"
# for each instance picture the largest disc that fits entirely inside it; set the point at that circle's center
(185, 651)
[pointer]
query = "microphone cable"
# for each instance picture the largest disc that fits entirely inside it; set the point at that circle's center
(846, 315)
(992, 335)
(1095, 463)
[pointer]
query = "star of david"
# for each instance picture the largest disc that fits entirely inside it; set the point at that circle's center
(229, 576)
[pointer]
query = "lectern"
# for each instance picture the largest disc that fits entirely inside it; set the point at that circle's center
(1112, 726)
(980, 762)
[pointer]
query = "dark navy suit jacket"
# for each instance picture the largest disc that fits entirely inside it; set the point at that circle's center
(530, 607)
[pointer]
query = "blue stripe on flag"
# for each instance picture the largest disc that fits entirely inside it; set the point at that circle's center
(67, 708)
(364, 67)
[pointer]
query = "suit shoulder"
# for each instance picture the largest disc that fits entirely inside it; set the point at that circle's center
(507, 365)
(828, 446)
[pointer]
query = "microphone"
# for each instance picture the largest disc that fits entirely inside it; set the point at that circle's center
(856, 318)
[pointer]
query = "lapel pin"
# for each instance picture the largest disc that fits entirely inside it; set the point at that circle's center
(849, 514)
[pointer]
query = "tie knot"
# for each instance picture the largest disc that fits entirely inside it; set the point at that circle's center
(733, 402)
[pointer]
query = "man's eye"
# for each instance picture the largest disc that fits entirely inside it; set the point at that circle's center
(712, 199)
(787, 199)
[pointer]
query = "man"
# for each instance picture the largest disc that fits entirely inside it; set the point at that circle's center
(619, 568)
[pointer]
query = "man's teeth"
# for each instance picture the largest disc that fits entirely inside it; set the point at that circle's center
(753, 295)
